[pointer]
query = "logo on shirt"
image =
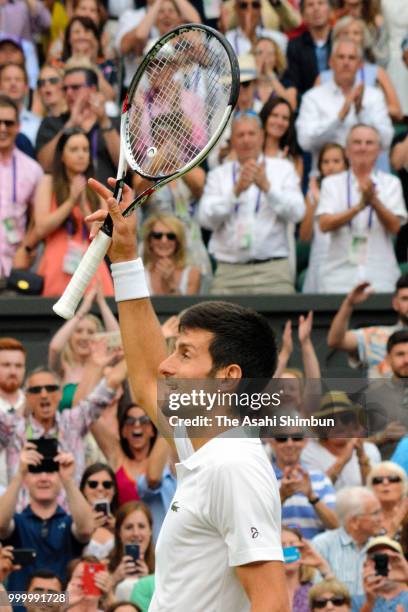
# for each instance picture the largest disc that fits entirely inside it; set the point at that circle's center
(175, 507)
(254, 533)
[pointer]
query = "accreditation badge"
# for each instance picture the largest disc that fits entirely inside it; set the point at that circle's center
(358, 250)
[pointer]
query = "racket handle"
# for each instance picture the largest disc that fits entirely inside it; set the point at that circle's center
(68, 302)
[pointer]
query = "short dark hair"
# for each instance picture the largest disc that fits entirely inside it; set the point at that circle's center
(402, 282)
(46, 574)
(398, 337)
(95, 468)
(241, 336)
(91, 78)
(303, 2)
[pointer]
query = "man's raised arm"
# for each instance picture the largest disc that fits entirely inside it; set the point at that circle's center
(142, 338)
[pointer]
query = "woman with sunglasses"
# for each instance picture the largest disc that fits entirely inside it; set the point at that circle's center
(330, 595)
(62, 201)
(164, 256)
(98, 485)
(134, 526)
(389, 483)
(49, 100)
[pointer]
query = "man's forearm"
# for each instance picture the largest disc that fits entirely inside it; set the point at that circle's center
(8, 503)
(390, 221)
(326, 515)
(80, 511)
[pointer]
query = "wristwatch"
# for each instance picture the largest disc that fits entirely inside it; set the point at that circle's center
(315, 500)
(108, 128)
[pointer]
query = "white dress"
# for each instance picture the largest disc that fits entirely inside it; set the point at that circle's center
(395, 14)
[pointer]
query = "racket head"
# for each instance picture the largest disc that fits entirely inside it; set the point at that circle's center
(179, 101)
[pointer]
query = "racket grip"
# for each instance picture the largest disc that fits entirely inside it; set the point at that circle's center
(68, 302)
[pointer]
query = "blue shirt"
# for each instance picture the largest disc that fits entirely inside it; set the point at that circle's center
(400, 455)
(158, 499)
(297, 509)
(52, 539)
(381, 604)
(322, 56)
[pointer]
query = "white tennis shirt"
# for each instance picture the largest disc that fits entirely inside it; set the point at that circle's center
(226, 512)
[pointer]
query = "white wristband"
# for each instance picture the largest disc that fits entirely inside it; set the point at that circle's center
(129, 280)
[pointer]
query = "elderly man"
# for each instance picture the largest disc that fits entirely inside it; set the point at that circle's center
(307, 496)
(362, 209)
(344, 549)
(247, 204)
(328, 111)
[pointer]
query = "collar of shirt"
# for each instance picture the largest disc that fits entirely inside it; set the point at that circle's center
(38, 430)
(219, 444)
(28, 512)
(347, 540)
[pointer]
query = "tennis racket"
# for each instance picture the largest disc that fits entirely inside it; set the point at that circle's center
(176, 109)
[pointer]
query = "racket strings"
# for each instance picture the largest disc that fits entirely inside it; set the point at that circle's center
(178, 104)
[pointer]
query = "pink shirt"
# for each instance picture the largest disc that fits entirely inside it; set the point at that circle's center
(19, 176)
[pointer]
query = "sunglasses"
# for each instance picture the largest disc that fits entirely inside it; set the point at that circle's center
(107, 484)
(159, 235)
(38, 388)
(8, 123)
(51, 81)
(246, 84)
(74, 87)
(143, 420)
(245, 5)
(391, 479)
(322, 603)
(282, 439)
(346, 418)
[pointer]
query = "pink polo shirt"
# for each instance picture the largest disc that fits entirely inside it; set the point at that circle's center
(19, 176)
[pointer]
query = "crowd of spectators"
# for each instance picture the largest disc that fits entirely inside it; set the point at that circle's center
(315, 160)
(265, 213)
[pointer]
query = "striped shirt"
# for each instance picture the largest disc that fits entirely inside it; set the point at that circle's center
(297, 511)
(344, 557)
(372, 349)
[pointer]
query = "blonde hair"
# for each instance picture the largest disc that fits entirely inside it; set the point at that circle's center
(347, 20)
(280, 61)
(329, 586)
(389, 466)
(67, 354)
(176, 226)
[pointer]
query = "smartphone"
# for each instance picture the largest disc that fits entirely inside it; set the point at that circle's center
(113, 339)
(88, 578)
(381, 564)
(48, 448)
(102, 506)
(133, 550)
(24, 556)
(291, 554)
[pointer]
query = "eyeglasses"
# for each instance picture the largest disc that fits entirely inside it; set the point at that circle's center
(143, 420)
(38, 388)
(8, 123)
(93, 484)
(50, 80)
(282, 439)
(74, 87)
(159, 235)
(393, 479)
(335, 600)
(346, 418)
(245, 5)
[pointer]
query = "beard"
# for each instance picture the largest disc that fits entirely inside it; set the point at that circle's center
(10, 386)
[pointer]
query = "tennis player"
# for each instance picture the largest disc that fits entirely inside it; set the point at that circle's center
(219, 547)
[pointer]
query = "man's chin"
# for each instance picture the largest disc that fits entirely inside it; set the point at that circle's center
(10, 387)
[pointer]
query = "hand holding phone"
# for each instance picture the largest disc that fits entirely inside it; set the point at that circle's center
(89, 587)
(24, 556)
(381, 564)
(48, 448)
(291, 554)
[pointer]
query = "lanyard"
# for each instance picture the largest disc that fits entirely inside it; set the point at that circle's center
(362, 75)
(14, 174)
(258, 197)
(94, 147)
(370, 213)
